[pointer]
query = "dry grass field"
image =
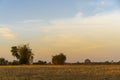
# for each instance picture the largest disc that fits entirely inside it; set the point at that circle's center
(66, 72)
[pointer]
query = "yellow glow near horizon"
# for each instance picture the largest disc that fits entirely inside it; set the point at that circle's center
(93, 37)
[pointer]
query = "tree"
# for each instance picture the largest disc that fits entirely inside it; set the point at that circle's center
(3, 61)
(15, 62)
(23, 53)
(59, 59)
(87, 61)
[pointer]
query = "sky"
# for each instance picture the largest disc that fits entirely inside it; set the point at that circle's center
(78, 28)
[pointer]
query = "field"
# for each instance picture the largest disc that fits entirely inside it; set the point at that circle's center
(66, 72)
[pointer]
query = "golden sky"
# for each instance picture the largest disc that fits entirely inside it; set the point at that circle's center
(79, 35)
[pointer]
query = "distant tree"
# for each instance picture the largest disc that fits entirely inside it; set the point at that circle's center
(87, 61)
(15, 62)
(3, 61)
(77, 62)
(40, 62)
(59, 59)
(118, 62)
(112, 62)
(107, 62)
(23, 53)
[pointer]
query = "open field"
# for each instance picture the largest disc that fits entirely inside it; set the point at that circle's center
(66, 72)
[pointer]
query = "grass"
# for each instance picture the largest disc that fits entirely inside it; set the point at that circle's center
(66, 72)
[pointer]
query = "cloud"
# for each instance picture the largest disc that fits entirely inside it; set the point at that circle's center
(92, 7)
(78, 31)
(32, 21)
(98, 19)
(7, 33)
(103, 2)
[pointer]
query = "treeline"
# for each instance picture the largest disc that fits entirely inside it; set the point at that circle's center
(40, 62)
(89, 62)
(24, 55)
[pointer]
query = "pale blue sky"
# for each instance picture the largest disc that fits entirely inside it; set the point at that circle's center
(14, 10)
(79, 28)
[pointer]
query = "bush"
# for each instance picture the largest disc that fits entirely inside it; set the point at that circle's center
(59, 59)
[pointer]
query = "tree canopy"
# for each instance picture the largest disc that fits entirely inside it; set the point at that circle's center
(59, 59)
(3, 61)
(23, 53)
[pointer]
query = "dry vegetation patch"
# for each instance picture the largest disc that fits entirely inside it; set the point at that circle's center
(65, 72)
